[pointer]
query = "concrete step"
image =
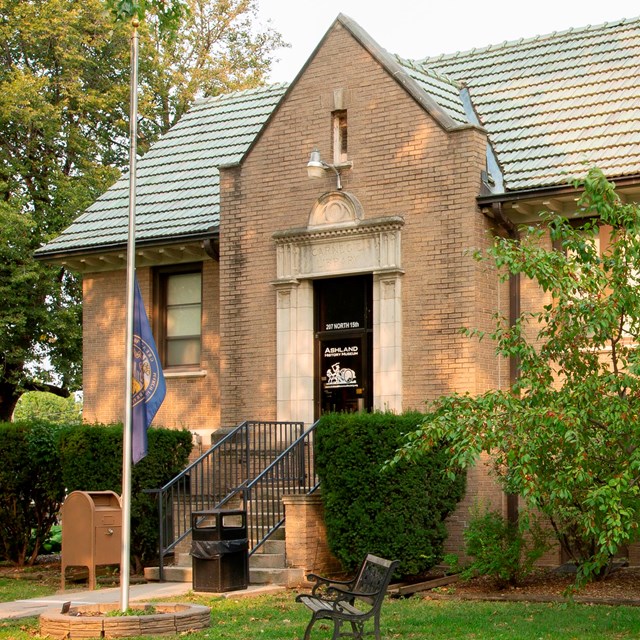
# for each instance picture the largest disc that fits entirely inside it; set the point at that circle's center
(171, 574)
(272, 546)
(267, 561)
(266, 566)
(258, 576)
(284, 577)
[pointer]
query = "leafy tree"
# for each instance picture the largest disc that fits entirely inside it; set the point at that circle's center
(566, 436)
(212, 47)
(64, 101)
(38, 405)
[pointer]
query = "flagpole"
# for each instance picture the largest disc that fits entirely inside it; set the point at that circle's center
(125, 558)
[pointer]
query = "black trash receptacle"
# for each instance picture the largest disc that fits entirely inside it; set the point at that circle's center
(219, 550)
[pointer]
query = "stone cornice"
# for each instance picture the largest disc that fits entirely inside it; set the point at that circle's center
(358, 228)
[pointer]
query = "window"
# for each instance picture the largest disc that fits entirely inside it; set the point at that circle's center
(339, 137)
(180, 317)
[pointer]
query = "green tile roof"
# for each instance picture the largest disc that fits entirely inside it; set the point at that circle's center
(551, 105)
(177, 180)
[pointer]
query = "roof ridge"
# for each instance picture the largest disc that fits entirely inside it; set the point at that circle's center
(226, 95)
(520, 41)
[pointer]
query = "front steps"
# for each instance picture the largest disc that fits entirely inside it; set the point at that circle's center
(266, 567)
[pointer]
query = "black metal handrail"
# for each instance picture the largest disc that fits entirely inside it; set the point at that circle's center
(293, 471)
(217, 476)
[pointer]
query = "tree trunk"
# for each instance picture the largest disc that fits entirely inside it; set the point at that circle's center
(9, 396)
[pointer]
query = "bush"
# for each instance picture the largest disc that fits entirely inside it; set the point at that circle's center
(564, 435)
(396, 513)
(31, 487)
(505, 551)
(41, 462)
(92, 461)
(53, 542)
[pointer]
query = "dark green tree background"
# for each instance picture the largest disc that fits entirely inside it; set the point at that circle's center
(64, 101)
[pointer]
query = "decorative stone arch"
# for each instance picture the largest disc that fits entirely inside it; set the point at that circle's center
(335, 208)
(337, 241)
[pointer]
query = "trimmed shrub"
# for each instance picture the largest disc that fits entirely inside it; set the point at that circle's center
(397, 512)
(31, 487)
(92, 461)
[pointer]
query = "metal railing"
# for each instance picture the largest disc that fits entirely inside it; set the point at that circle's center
(218, 476)
(293, 471)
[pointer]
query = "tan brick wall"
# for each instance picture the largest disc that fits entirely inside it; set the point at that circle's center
(306, 542)
(404, 164)
(191, 402)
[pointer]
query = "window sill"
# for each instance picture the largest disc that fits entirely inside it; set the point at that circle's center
(193, 373)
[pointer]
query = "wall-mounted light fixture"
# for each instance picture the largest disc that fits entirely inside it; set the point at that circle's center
(317, 166)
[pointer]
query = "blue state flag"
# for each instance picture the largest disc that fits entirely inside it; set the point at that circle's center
(148, 386)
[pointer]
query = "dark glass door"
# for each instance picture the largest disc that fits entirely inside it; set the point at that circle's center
(343, 344)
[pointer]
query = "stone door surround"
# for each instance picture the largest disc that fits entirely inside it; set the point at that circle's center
(337, 241)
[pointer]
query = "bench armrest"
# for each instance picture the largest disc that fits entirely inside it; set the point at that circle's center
(345, 594)
(326, 582)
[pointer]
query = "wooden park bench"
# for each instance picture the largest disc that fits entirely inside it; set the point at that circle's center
(355, 601)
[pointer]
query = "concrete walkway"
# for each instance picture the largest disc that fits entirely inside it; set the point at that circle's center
(137, 592)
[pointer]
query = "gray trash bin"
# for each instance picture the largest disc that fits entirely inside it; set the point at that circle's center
(219, 550)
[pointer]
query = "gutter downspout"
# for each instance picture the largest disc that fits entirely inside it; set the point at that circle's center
(514, 314)
(212, 245)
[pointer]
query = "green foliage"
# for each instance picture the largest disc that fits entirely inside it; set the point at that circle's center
(42, 462)
(168, 11)
(31, 488)
(53, 542)
(40, 405)
(92, 461)
(64, 114)
(566, 437)
(396, 513)
(505, 551)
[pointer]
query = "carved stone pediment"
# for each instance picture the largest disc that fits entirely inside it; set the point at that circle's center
(335, 208)
(339, 240)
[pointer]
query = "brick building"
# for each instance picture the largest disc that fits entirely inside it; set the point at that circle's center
(278, 296)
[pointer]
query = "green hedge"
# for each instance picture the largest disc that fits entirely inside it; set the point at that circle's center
(92, 461)
(42, 462)
(31, 487)
(396, 512)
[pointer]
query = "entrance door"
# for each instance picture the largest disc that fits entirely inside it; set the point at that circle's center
(344, 371)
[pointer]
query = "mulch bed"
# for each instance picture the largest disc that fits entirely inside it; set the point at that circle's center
(547, 585)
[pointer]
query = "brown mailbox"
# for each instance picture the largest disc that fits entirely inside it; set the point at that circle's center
(91, 531)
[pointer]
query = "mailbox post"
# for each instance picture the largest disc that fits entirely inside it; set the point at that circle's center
(91, 531)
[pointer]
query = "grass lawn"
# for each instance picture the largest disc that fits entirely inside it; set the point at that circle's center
(12, 589)
(279, 618)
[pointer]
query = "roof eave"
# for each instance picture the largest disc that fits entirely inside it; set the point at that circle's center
(524, 206)
(76, 255)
